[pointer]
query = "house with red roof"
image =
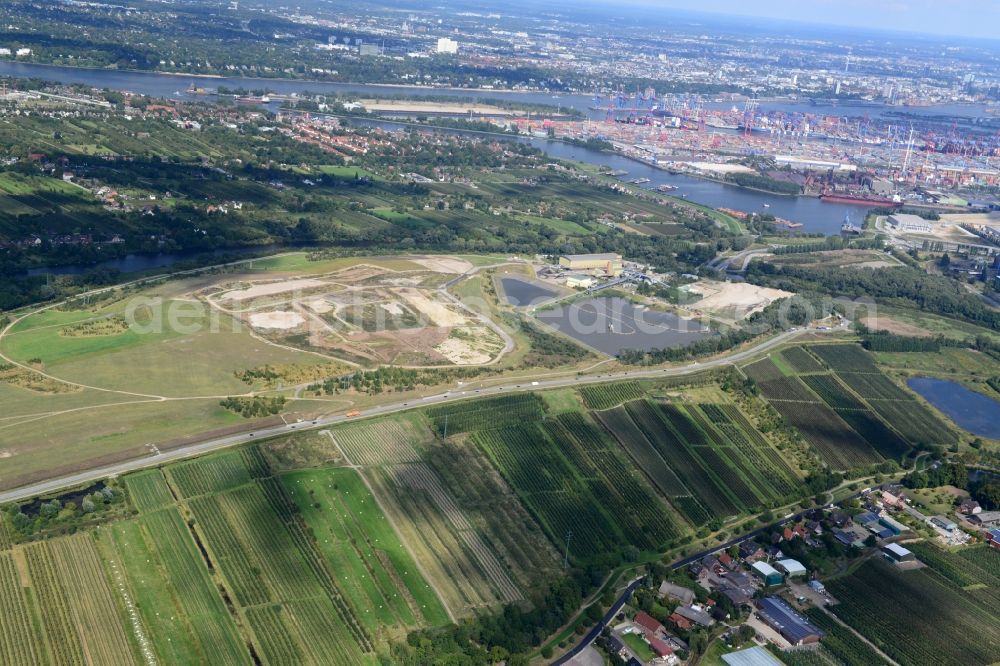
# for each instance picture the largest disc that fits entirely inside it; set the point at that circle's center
(660, 648)
(647, 622)
(681, 622)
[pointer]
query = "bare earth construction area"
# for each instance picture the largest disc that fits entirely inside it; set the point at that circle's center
(365, 315)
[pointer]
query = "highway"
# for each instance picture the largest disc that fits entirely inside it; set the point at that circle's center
(187, 451)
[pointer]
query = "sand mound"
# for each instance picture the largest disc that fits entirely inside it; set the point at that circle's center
(460, 352)
(739, 297)
(437, 312)
(272, 288)
(445, 264)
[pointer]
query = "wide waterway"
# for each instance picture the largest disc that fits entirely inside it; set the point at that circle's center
(814, 215)
(160, 84)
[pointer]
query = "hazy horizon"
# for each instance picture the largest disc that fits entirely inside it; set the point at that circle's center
(959, 18)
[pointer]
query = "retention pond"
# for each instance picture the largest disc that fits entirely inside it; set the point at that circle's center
(975, 412)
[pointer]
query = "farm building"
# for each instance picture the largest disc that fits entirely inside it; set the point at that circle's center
(945, 523)
(737, 595)
(695, 615)
(993, 537)
(610, 263)
(767, 573)
(893, 524)
(791, 568)
(782, 618)
(986, 519)
(677, 592)
(755, 656)
(865, 518)
(899, 554)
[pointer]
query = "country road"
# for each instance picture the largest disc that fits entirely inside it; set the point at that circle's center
(525, 384)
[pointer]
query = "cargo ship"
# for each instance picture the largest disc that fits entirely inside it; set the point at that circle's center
(253, 100)
(859, 200)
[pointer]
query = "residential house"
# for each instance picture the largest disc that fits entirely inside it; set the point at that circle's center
(647, 622)
(695, 614)
(681, 622)
(750, 552)
(727, 561)
(736, 595)
(616, 646)
(840, 519)
(970, 507)
(660, 648)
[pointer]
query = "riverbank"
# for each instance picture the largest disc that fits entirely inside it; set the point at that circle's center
(280, 79)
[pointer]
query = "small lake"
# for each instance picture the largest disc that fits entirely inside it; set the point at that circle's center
(522, 292)
(972, 411)
(612, 325)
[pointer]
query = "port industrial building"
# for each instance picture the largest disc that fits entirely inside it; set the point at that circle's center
(913, 224)
(610, 263)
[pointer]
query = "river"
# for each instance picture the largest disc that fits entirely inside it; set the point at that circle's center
(158, 84)
(814, 215)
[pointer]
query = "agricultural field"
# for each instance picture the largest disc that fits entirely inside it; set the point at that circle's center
(925, 616)
(707, 458)
(571, 475)
(389, 440)
(464, 570)
(832, 438)
(380, 580)
(59, 607)
(606, 396)
(470, 416)
(148, 490)
(842, 644)
(857, 415)
(801, 361)
(480, 493)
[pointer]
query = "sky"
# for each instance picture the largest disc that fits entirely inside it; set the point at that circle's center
(969, 18)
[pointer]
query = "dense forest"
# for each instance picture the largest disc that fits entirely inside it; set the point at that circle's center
(907, 286)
